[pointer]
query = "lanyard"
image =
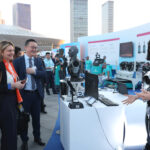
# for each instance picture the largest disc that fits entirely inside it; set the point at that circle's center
(14, 74)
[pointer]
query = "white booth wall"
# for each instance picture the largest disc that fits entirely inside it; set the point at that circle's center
(108, 44)
(135, 113)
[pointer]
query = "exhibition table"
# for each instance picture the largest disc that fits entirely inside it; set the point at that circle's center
(99, 127)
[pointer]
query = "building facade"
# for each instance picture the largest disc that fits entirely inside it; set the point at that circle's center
(107, 17)
(2, 21)
(22, 15)
(78, 19)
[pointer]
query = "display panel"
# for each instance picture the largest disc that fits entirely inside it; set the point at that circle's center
(91, 85)
(126, 49)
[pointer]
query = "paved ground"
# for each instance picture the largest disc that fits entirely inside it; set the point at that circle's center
(47, 123)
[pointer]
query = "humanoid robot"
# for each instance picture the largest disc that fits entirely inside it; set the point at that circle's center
(74, 65)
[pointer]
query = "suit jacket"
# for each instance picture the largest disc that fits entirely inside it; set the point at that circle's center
(3, 79)
(20, 67)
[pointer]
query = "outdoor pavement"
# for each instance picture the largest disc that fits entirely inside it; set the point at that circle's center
(47, 123)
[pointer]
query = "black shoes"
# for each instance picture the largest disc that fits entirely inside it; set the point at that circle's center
(24, 146)
(147, 147)
(48, 93)
(39, 142)
(43, 111)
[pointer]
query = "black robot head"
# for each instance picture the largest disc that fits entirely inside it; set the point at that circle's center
(73, 51)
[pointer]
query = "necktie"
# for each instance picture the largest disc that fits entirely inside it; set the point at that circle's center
(32, 78)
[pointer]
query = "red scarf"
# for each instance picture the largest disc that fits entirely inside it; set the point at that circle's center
(14, 74)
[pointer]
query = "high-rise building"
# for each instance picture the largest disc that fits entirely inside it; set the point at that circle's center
(2, 21)
(107, 16)
(22, 15)
(78, 19)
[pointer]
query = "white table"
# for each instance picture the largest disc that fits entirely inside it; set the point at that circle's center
(99, 127)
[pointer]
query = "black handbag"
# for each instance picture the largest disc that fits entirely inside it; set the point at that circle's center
(22, 121)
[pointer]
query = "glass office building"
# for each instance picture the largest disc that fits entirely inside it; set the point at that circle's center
(78, 19)
(22, 15)
(107, 17)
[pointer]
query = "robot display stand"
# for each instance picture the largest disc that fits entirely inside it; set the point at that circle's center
(75, 81)
(71, 92)
(74, 104)
(78, 87)
(79, 90)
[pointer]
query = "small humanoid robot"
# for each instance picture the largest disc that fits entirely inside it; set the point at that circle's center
(74, 65)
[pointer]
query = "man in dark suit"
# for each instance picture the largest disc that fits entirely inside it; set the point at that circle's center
(30, 68)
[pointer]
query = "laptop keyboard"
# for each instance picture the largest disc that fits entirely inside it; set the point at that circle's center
(106, 101)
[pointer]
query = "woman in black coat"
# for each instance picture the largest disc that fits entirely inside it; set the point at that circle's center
(9, 96)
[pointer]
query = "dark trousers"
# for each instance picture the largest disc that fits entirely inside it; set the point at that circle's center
(50, 81)
(147, 123)
(32, 105)
(42, 104)
(8, 121)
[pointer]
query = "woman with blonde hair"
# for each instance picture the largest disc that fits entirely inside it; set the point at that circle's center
(9, 96)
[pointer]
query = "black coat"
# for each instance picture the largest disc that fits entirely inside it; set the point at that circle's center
(3, 79)
(20, 67)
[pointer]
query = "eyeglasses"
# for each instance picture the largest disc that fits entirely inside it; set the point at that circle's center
(33, 47)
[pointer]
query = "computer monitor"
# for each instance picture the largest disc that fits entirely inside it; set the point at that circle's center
(126, 49)
(91, 85)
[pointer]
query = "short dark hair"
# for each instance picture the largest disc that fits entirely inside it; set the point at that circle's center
(57, 55)
(47, 53)
(17, 50)
(30, 40)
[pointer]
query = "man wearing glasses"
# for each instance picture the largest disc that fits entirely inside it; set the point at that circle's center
(30, 68)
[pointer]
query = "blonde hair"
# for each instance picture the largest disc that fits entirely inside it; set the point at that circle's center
(3, 46)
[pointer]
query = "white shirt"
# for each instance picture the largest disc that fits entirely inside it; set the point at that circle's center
(28, 85)
(10, 79)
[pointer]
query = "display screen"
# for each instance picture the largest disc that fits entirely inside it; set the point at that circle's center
(126, 49)
(91, 85)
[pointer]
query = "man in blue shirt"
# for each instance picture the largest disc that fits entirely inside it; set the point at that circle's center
(49, 65)
(88, 64)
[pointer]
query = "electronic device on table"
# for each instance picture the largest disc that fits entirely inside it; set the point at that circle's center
(91, 85)
(91, 101)
(122, 89)
(91, 89)
(106, 101)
